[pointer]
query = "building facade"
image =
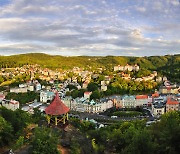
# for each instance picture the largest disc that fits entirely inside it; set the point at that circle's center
(172, 105)
(128, 101)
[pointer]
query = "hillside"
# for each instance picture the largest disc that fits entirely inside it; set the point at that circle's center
(168, 64)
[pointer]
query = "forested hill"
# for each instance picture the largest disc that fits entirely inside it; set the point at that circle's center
(169, 64)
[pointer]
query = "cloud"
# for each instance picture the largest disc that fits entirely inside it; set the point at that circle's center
(141, 9)
(79, 27)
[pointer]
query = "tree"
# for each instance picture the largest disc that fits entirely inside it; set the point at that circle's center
(95, 95)
(81, 92)
(45, 141)
(23, 97)
(37, 116)
(101, 78)
(1, 79)
(71, 87)
(19, 142)
(92, 86)
(166, 133)
(75, 147)
(74, 93)
(68, 93)
(18, 119)
(6, 132)
(141, 142)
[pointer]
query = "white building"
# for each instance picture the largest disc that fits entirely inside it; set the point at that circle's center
(127, 68)
(128, 101)
(10, 104)
(31, 87)
(46, 96)
(103, 87)
(84, 105)
(19, 90)
(67, 101)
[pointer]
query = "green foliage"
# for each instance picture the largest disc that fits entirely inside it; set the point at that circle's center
(167, 133)
(71, 87)
(68, 93)
(19, 142)
(43, 82)
(168, 65)
(81, 92)
(74, 93)
(101, 78)
(45, 141)
(6, 132)
(121, 86)
(84, 126)
(134, 137)
(95, 95)
(15, 84)
(126, 113)
(92, 86)
(18, 119)
(75, 147)
(23, 97)
(142, 73)
(1, 79)
(37, 116)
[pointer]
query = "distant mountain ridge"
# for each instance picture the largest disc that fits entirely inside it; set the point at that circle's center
(168, 64)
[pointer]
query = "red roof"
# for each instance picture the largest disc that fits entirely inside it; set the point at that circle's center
(168, 88)
(57, 107)
(141, 96)
(172, 102)
(87, 92)
(155, 94)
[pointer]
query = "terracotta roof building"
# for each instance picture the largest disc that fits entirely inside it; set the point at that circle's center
(172, 105)
(141, 100)
(141, 96)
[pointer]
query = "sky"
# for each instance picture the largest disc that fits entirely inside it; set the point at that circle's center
(90, 27)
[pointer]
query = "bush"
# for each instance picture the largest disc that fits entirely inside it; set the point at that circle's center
(19, 143)
(45, 141)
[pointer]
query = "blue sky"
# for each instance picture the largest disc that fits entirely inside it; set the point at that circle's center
(90, 27)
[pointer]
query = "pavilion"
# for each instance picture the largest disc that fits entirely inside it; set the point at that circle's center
(57, 111)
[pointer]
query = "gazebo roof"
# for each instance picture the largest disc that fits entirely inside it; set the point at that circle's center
(57, 107)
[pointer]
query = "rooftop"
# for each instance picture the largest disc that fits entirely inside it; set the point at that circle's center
(171, 101)
(57, 107)
(141, 96)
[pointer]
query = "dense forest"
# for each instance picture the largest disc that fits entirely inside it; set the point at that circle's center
(168, 65)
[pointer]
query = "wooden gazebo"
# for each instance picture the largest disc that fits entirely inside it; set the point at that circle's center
(57, 111)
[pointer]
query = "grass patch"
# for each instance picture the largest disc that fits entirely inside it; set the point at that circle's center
(127, 113)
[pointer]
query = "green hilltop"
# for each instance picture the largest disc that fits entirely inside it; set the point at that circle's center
(169, 65)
